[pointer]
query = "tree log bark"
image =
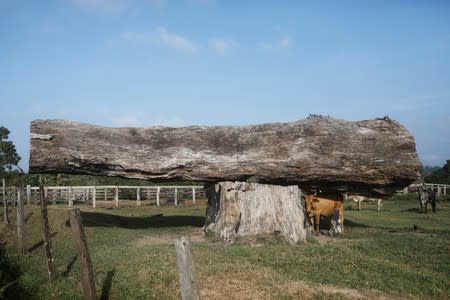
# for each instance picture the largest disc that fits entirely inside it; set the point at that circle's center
(373, 157)
(238, 209)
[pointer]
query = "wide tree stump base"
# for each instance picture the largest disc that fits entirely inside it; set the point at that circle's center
(238, 209)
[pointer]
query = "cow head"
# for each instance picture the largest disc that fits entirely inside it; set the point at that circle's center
(310, 204)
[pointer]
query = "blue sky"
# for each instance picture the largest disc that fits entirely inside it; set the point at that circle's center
(217, 62)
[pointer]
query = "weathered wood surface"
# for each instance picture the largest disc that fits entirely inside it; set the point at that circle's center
(237, 209)
(86, 270)
(372, 157)
(20, 223)
(186, 272)
(47, 235)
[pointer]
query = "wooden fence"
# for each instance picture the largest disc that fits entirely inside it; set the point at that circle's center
(152, 195)
(440, 189)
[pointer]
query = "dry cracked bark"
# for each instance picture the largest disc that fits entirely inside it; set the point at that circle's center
(371, 157)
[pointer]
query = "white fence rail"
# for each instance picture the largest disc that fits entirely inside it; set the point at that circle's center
(157, 195)
(440, 189)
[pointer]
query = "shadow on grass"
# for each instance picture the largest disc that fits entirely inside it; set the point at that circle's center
(350, 223)
(95, 219)
(107, 284)
(40, 243)
(69, 266)
(10, 287)
(28, 217)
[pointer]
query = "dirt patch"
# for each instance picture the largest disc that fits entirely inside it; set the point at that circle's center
(251, 283)
(196, 236)
(324, 239)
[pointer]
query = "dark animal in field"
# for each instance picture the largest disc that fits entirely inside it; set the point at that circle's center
(329, 207)
(427, 196)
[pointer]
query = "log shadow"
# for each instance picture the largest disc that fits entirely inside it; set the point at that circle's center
(40, 243)
(350, 223)
(69, 266)
(107, 284)
(96, 219)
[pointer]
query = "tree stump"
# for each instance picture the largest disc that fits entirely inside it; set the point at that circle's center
(238, 209)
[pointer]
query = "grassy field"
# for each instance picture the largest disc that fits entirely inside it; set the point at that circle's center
(398, 253)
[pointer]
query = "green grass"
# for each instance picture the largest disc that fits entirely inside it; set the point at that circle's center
(380, 255)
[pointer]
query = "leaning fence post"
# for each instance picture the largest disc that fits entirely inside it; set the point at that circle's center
(87, 274)
(5, 203)
(20, 222)
(47, 237)
(188, 281)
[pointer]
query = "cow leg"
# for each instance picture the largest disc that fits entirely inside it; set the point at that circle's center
(359, 205)
(317, 223)
(426, 207)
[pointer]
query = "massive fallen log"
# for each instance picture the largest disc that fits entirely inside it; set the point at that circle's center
(373, 157)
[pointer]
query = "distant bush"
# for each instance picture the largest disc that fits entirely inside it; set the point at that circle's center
(440, 175)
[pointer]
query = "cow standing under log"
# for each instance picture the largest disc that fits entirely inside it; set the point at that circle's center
(330, 206)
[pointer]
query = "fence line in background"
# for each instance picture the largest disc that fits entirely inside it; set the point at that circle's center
(157, 195)
(440, 189)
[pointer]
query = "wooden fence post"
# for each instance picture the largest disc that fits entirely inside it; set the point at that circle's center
(47, 236)
(69, 192)
(176, 197)
(116, 196)
(138, 196)
(87, 274)
(28, 194)
(94, 196)
(5, 203)
(158, 189)
(20, 222)
(193, 195)
(188, 281)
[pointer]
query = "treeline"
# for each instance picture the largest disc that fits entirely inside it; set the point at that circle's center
(441, 175)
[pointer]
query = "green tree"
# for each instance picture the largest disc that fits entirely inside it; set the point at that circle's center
(8, 155)
(440, 175)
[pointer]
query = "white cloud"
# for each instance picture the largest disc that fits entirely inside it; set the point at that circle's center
(284, 43)
(103, 6)
(128, 120)
(220, 46)
(174, 41)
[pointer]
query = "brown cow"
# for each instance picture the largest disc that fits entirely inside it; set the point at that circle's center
(329, 207)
